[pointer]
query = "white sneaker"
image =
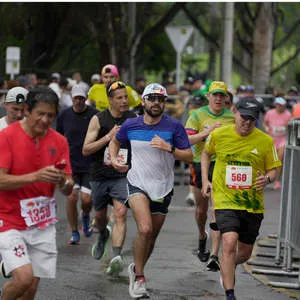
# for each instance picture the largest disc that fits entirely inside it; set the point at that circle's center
(190, 199)
(140, 289)
(116, 266)
(137, 289)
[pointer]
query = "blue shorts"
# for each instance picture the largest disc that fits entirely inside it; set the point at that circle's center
(103, 191)
(156, 207)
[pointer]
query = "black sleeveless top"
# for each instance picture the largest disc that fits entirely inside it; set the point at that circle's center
(97, 169)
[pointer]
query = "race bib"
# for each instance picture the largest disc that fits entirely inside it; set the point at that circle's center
(122, 156)
(239, 177)
(279, 130)
(39, 211)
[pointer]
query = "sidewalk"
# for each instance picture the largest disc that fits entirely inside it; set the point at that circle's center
(173, 272)
(263, 258)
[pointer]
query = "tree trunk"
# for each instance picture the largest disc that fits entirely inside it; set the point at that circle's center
(226, 65)
(215, 16)
(262, 48)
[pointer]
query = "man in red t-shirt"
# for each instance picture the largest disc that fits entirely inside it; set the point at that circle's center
(34, 160)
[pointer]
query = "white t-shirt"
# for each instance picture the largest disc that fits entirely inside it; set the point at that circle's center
(3, 123)
(152, 169)
(65, 101)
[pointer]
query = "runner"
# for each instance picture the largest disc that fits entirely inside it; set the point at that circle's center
(108, 185)
(275, 124)
(199, 125)
(29, 172)
(73, 124)
(97, 93)
(14, 106)
(194, 103)
(156, 141)
(246, 161)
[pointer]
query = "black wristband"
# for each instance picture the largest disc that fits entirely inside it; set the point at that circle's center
(172, 149)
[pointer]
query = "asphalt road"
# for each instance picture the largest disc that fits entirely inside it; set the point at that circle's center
(173, 271)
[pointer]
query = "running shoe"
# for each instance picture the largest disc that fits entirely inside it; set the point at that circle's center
(140, 289)
(277, 185)
(213, 264)
(75, 238)
(137, 289)
(203, 253)
(86, 228)
(190, 199)
(230, 297)
(116, 266)
(2, 271)
(100, 247)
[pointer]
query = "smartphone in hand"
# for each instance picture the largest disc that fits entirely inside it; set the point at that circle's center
(61, 164)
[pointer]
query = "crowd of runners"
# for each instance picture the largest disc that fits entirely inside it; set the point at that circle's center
(107, 144)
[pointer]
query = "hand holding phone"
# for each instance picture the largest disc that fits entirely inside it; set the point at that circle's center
(61, 164)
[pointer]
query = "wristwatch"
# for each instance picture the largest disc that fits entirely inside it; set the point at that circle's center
(268, 178)
(172, 149)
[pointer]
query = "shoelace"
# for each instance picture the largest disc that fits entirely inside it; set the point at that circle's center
(141, 284)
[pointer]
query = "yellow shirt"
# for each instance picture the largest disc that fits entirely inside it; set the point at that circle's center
(238, 158)
(97, 93)
(202, 118)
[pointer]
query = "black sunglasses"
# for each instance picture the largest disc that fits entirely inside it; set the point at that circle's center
(248, 118)
(153, 98)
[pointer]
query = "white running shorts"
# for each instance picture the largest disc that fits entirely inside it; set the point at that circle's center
(32, 246)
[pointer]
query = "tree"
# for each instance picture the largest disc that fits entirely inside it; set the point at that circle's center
(258, 30)
(263, 36)
(83, 36)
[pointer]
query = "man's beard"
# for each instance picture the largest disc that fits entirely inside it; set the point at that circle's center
(154, 114)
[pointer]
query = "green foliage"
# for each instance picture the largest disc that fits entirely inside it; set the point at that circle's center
(67, 37)
(160, 54)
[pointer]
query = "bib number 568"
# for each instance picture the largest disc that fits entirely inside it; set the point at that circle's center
(239, 177)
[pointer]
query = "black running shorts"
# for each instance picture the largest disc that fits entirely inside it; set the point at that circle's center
(240, 221)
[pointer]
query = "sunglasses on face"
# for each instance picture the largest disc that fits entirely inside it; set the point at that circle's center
(152, 98)
(227, 103)
(248, 118)
(116, 85)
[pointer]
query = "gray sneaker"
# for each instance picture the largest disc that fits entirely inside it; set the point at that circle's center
(116, 266)
(100, 247)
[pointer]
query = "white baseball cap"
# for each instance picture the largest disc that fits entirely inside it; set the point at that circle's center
(280, 100)
(154, 88)
(78, 90)
(55, 75)
(17, 94)
(95, 77)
